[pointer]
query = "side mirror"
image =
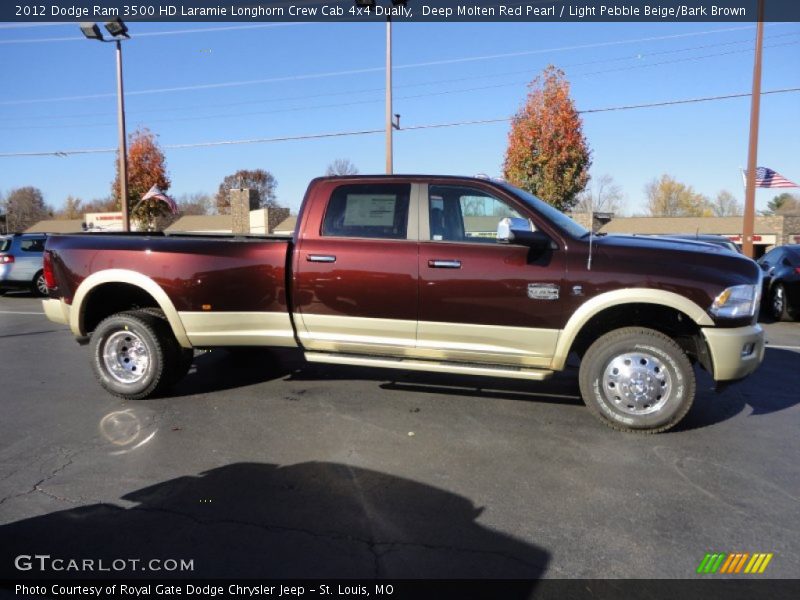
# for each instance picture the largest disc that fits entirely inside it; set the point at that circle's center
(513, 230)
(507, 226)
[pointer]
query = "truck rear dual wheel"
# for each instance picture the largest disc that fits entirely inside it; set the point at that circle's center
(637, 379)
(135, 355)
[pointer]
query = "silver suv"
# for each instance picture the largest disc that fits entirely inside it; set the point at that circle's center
(21, 258)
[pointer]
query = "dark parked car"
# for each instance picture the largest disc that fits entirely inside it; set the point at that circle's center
(716, 240)
(21, 262)
(781, 268)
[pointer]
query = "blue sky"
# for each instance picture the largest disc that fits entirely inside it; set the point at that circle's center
(60, 95)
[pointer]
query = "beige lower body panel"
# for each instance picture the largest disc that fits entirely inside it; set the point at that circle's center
(458, 342)
(238, 328)
(727, 348)
(56, 310)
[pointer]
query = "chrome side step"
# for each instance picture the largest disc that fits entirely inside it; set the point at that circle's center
(428, 365)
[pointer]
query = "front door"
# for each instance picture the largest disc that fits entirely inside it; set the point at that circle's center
(481, 300)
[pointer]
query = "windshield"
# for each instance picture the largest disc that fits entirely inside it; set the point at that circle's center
(547, 211)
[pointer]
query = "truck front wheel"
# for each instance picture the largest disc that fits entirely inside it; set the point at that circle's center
(637, 379)
(131, 354)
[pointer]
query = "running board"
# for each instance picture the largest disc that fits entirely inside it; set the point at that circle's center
(431, 366)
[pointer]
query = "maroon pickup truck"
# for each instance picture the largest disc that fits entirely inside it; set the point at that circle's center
(430, 273)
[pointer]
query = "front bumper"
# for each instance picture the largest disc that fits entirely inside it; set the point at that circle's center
(729, 350)
(56, 310)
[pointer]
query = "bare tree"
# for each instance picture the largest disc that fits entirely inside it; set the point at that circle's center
(24, 207)
(263, 182)
(198, 203)
(601, 195)
(668, 197)
(726, 205)
(72, 209)
(341, 166)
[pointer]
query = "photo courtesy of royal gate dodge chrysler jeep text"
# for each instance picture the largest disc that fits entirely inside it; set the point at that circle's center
(430, 273)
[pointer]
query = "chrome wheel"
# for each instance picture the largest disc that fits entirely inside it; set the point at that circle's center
(41, 285)
(126, 357)
(778, 301)
(637, 383)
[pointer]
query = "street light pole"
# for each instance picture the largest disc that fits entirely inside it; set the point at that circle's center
(119, 32)
(389, 125)
(123, 151)
(748, 225)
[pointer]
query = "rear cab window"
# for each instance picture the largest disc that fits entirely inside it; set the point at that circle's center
(377, 211)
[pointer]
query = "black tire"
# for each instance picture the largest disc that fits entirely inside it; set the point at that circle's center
(637, 379)
(39, 285)
(779, 303)
(181, 358)
(119, 347)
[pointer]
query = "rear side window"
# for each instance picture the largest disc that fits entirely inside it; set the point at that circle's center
(368, 211)
(34, 245)
(5, 244)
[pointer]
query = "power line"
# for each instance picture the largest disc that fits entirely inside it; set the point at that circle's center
(424, 95)
(151, 33)
(375, 101)
(310, 76)
(64, 153)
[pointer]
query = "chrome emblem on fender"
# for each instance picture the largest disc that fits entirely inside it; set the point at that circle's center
(543, 291)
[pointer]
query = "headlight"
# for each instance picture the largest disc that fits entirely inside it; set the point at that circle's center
(736, 301)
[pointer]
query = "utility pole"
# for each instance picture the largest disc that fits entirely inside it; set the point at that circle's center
(748, 225)
(123, 151)
(389, 125)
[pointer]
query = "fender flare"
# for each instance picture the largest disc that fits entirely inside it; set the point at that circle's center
(143, 282)
(601, 302)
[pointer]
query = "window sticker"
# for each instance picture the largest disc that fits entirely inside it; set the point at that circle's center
(376, 210)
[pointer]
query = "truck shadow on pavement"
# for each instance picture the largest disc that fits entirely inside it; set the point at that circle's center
(769, 390)
(308, 520)
(765, 391)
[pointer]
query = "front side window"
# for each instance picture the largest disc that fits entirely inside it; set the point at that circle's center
(368, 211)
(463, 214)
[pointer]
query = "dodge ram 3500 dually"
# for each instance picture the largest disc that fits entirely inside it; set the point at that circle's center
(430, 273)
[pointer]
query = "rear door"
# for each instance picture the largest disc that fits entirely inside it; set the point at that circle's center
(355, 286)
(480, 300)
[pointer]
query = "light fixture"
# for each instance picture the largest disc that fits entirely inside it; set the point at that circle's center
(117, 28)
(91, 31)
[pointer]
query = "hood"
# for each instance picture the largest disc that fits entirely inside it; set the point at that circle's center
(687, 256)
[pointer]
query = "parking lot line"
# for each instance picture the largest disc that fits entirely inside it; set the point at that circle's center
(768, 346)
(17, 312)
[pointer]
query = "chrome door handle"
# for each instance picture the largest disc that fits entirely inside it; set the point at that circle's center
(322, 258)
(444, 264)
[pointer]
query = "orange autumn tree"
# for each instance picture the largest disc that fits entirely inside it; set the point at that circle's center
(146, 168)
(547, 154)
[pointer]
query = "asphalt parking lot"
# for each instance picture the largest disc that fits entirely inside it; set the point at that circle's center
(262, 466)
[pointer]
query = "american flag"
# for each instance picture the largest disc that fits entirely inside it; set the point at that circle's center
(767, 178)
(159, 195)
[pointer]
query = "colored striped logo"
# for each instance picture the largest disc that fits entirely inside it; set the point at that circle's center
(734, 563)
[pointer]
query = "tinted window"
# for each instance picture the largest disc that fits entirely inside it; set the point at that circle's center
(32, 245)
(465, 214)
(368, 211)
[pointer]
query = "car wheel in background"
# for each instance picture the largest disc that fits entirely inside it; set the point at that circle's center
(39, 285)
(778, 304)
(637, 379)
